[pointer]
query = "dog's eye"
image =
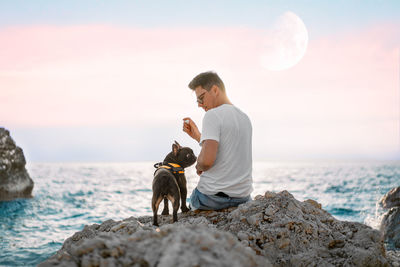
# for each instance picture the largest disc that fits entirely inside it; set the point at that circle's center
(188, 155)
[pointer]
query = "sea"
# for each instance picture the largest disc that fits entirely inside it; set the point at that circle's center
(68, 196)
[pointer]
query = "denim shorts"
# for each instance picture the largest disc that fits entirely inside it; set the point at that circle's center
(200, 201)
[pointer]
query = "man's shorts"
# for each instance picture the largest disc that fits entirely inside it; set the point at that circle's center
(200, 201)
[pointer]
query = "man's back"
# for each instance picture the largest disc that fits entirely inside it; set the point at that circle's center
(232, 169)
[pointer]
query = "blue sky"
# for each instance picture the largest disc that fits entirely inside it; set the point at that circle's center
(87, 80)
(320, 15)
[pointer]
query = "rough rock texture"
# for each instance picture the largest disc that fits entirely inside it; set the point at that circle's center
(128, 243)
(391, 199)
(390, 227)
(394, 257)
(280, 229)
(390, 224)
(14, 179)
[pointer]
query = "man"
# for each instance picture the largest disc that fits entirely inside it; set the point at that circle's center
(225, 160)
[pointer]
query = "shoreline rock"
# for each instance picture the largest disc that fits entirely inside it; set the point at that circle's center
(14, 178)
(272, 230)
(390, 227)
(390, 224)
(391, 199)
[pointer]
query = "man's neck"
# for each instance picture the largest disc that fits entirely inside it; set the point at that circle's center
(223, 100)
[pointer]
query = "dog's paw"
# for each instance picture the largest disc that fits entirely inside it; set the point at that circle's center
(185, 209)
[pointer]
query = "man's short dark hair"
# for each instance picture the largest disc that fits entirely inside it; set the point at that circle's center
(207, 80)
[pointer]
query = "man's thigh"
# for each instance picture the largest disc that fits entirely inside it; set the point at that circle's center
(201, 201)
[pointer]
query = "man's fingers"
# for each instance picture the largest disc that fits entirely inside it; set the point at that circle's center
(186, 129)
(188, 121)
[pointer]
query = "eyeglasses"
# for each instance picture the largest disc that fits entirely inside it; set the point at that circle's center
(200, 98)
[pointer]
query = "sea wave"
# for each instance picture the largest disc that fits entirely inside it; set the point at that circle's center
(68, 196)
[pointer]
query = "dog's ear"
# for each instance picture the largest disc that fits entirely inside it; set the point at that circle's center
(179, 146)
(175, 149)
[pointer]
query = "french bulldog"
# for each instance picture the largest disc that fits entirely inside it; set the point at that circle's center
(169, 181)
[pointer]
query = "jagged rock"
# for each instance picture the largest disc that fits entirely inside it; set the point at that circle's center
(169, 245)
(394, 257)
(391, 199)
(280, 229)
(14, 179)
(390, 224)
(390, 227)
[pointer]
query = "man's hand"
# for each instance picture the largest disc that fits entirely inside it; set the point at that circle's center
(199, 172)
(191, 129)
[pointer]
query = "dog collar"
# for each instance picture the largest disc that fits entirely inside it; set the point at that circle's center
(173, 167)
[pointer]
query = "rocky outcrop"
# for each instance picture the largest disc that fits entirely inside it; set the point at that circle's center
(390, 225)
(391, 199)
(170, 245)
(14, 179)
(274, 229)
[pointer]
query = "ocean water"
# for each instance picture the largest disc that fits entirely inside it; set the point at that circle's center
(68, 196)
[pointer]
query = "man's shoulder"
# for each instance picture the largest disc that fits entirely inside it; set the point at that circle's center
(225, 111)
(213, 113)
(240, 114)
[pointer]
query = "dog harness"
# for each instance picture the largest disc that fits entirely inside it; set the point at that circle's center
(176, 169)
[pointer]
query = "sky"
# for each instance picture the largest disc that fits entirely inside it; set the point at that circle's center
(107, 80)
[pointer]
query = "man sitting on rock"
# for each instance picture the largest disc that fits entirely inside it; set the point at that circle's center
(225, 161)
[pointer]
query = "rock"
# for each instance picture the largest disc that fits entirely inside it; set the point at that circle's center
(242, 235)
(394, 257)
(275, 230)
(391, 199)
(269, 194)
(314, 203)
(390, 227)
(390, 224)
(169, 245)
(14, 179)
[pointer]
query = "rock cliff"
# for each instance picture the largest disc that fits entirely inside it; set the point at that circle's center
(14, 179)
(272, 230)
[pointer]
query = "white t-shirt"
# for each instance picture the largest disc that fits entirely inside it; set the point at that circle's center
(232, 169)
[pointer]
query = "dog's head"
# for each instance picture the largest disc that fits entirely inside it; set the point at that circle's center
(183, 156)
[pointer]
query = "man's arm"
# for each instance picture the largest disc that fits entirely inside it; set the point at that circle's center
(207, 155)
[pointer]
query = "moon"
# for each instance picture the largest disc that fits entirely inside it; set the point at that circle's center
(285, 44)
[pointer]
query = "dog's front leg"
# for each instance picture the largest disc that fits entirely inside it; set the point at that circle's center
(165, 210)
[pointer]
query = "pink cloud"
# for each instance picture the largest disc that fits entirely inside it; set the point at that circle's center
(28, 47)
(96, 74)
(93, 74)
(351, 74)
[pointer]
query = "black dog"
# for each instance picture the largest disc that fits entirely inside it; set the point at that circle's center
(170, 182)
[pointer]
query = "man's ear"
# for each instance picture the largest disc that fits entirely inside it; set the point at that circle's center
(175, 149)
(215, 89)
